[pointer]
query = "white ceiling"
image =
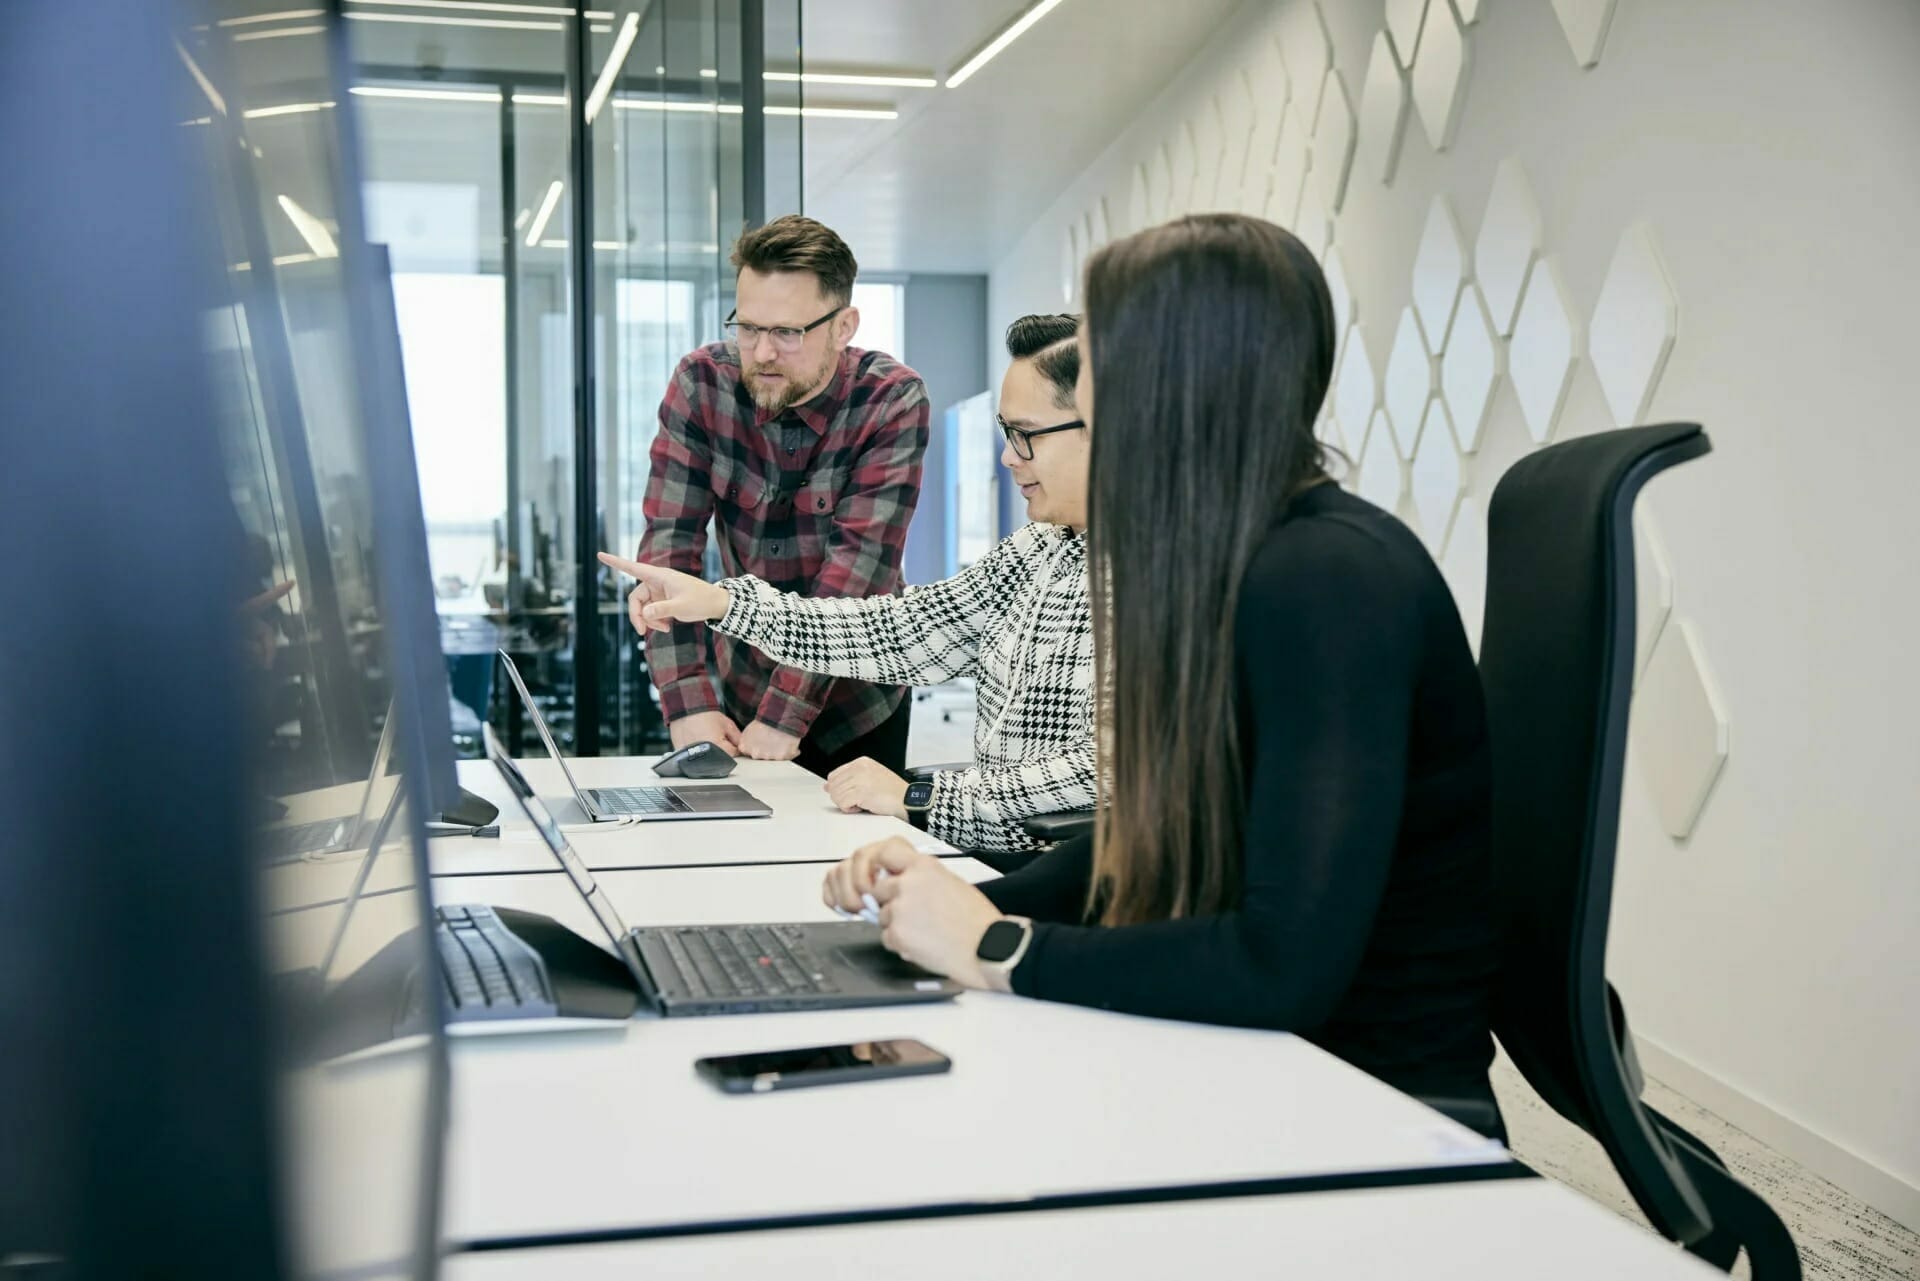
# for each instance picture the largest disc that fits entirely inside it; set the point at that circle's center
(952, 183)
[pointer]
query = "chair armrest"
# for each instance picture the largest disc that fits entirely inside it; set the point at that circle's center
(1063, 826)
(925, 773)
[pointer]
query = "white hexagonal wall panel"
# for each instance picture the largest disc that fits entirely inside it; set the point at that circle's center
(1087, 243)
(1653, 588)
(1308, 50)
(1471, 370)
(1326, 430)
(1469, 11)
(1207, 142)
(1585, 23)
(1440, 75)
(1679, 728)
(1409, 383)
(1540, 358)
(1439, 268)
(1333, 140)
(1508, 243)
(1633, 326)
(1465, 567)
(1435, 477)
(1333, 265)
(1139, 205)
(1383, 112)
(1313, 224)
(1160, 184)
(1069, 263)
(1290, 160)
(1236, 127)
(1180, 161)
(1354, 391)
(1381, 478)
(1403, 24)
(1102, 229)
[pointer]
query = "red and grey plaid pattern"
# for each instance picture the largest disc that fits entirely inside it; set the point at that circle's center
(815, 500)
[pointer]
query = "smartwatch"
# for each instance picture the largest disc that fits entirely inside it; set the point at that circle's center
(919, 801)
(1004, 943)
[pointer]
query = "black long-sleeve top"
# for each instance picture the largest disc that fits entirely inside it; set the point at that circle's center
(1365, 921)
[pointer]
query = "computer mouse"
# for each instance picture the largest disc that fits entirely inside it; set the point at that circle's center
(695, 760)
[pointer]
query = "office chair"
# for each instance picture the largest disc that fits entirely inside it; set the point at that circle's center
(1557, 660)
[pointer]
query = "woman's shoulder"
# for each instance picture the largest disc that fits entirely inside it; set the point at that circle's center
(1334, 547)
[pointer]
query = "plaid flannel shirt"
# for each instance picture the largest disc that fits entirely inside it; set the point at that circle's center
(1018, 622)
(815, 500)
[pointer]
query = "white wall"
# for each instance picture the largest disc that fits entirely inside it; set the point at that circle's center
(1771, 961)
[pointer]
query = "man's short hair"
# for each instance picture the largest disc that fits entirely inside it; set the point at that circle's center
(796, 243)
(1052, 344)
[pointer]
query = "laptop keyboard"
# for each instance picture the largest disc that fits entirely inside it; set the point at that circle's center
(489, 972)
(283, 843)
(745, 960)
(637, 802)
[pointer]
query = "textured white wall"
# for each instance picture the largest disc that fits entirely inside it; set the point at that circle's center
(1771, 959)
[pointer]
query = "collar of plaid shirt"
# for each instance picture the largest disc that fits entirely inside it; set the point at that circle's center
(816, 411)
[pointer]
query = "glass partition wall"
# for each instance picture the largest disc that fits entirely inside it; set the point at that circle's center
(551, 266)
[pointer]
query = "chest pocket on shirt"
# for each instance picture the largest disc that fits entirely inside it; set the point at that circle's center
(735, 488)
(818, 499)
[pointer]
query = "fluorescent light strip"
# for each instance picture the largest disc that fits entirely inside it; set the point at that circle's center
(200, 78)
(539, 226)
(837, 113)
(540, 100)
(245, 36)
(838, 78)
(311, 230)
(616, 59)
(1013, 32)
(520, 219)
(290, 109)
(426, 20)
(489, 6)
(428, 95)
(602, 245)
(286, 16)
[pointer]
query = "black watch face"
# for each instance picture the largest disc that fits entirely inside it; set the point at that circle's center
(919, 795)
(1001, 940)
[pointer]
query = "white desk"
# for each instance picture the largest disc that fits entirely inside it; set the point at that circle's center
(1503, 1231)
(805, 827)
(611, 1129)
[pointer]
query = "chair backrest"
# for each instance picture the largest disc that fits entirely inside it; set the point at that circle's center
(1556, 658)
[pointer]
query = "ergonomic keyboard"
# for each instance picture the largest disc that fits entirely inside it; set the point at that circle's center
(745, 960)
(489, 972)
(631, 802)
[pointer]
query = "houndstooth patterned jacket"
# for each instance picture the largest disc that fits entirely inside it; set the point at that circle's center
(1017, 621)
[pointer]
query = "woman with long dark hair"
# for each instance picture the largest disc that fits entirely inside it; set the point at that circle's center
(1291, 734)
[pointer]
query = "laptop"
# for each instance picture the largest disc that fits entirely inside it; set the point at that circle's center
(297, 837)
(736, 969)
(639, 804)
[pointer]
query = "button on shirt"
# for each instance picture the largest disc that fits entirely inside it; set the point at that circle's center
(814, 500)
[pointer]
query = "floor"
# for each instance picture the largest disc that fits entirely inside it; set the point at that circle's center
(1838, 1235)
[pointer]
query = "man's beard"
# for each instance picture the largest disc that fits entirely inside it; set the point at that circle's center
(791, 391)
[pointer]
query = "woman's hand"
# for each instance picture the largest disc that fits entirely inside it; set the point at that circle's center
(867, 785)
(662, 597)
(928, 915)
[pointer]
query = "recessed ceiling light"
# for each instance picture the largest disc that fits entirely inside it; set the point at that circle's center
(1015, 29)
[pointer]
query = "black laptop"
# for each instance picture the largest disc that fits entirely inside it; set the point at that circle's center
(736, 969)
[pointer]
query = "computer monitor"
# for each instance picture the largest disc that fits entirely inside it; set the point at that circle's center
(321, 463)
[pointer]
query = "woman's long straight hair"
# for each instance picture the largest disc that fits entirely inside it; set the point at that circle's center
(1211, 341)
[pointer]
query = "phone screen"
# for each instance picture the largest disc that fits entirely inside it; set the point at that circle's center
(817, 1064)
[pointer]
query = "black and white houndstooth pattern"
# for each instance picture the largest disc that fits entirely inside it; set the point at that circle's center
(1017, 621)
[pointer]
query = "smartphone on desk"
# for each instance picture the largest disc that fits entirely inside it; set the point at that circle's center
(821, 1065)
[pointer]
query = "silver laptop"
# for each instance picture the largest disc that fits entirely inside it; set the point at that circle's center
(736, 969)
(643, 804)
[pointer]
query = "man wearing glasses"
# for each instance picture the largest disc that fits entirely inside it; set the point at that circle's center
(1017, 621)
(805, 454)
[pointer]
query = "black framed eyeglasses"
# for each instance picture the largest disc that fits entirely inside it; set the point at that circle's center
(1022, 439)
(786, 338)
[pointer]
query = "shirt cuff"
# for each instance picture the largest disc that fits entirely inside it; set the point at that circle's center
(788, 713)
(688, 696)
(743, 608)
